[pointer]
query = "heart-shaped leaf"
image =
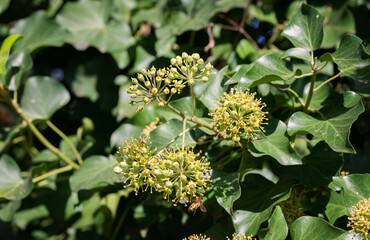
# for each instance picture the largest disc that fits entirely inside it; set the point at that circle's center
(12, 185)
(275, 143)
(277, 228)
(93, 171)
(5, 50)
(42, 97)
(249, 222)
(268, 68)
(305, 29)
(334, 129)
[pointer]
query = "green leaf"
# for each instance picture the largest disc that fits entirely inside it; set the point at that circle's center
(24, 217)
(42, 97)
(4, 4)
(184, 105)
(305, 29)
(80, 144)
(213, 90)
(94, 171)
(316, 228)
(5, 50)
(299, 53)
(8, 209)
(45, 156)
(319, 98)
(249, 222)
(85, 85)
(336, 207)
(245, 48)
(169, 132)
(12, 186)
(352, 58)
(275, 143)
(277, 228)
(123, 108)
(89, 25)
(38, 31)
(227, 189)
(239, 75)
(268, 68)
(18, 67)
(264, 13)
(333, 129)
(125, 132)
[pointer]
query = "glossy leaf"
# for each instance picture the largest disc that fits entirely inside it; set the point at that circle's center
(336, 207)
(316, 228)
(245, 48)
(268, 68)
(169, 132)
(334, 129)
(12, 185)
(87, 21)
(277, 228)
(42, 97)
(275, 143)
(5, 50)
(38, 31)
(93, 172)
(227, 189)
(305, 29)
(299, 53)
(249, 222)
(320, 97)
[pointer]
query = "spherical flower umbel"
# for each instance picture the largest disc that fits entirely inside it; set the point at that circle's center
(197, 237)
(240, 236)
(239, 114)
(181, 174)
(360, 218)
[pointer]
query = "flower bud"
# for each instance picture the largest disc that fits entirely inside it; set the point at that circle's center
(173, 61)
(208, 66)
(166, 91)
(191, 82)
(146, 100)
(195, 56)
(183, 69)
(161, 104)
(117, 170)
(147, 84)
(173, 90)
(179, 60)
(204, 79)
(134, 80)
(154, 90)
(184, 55)
(123, 164)
(200, 61)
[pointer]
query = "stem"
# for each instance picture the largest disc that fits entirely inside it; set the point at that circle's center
(51, 173)
(304, 75)
(174, 139)
(319, 69)
(183, 133)
(296, 95)
(193, 100)
(65, 138)
(310, 93)
(327, 81)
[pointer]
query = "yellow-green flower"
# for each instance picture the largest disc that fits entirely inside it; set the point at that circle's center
(360, 218)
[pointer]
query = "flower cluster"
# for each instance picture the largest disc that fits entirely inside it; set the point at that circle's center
(235, 236)
(360, 218)
(187, 68)
(197, 237)
(240, 236)
(151, 126)
(179, 174)
(238, 114)
(151, 84)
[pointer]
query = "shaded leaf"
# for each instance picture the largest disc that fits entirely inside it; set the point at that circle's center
(249, 222)
(319, 98)
(24, 217)
(125, 132)
(184, 105)
(5, 50)
(12, 185)
(336, 207)
(275, 143)
(94, 171)
(277, 228)
(8, 209)
(85, 85)
(80, 144)
(305, 29)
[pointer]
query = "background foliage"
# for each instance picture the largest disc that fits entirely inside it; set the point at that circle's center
(70, 71)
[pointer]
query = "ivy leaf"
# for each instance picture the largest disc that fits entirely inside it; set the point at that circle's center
(8, 209)
(38, 31)
(5, 50)
(169, 132)
(42, 97)
(333, 129)
(275, 143)
(268, 68)
(316, 228)
(12, 186)
(184, 105)
(125, 132)
(336, 207)
(87, 21)
(227, 189)
(249, 222)
(94, 171)
(299, 53)
(24, 217)
(319, 99)
(305, 29)
(277, 228)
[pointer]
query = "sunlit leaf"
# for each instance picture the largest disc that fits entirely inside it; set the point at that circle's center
(277, 228)
(5, 50)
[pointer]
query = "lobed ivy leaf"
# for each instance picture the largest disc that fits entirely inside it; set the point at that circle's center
(169, 132)
(307, 227)
(277, 228)
(42, 97)
(275, 143)
(249, 222)
(305, 29)
(94, 170)
(227, 189)
(333, 129)
(38, 31)
(12, 185)
(266, 69)
(5, 50)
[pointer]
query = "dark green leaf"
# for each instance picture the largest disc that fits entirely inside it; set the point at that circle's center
(24, 217)
(277, 228)
(42, 97)
(94, 171)
(275, 143)
(320, 97)
(12, 186)
(123, 108)
(316, 228)
(125, 132)
(227, 190)
(336, 207)
(38, 31)
(299, 53)
(8, 209)
(81, 146)
(334, 129)
(305, 29)
(239, 75)
(268, 68)
(169, 133)
(85, 85)
(5, 50)
(249, 222)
